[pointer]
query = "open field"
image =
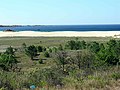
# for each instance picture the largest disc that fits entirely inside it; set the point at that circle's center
(46, 41)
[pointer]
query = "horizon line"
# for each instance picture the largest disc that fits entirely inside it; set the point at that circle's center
(55, 24)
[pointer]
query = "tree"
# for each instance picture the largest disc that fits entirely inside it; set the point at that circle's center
(75, 44)
(83, 44)
(54, 49)
(40, 49)
(113, 51)
(61, 59)
(31, 51)
(46, 54)
(7, 61)
(41, 61)
(24, 45)
(70, 45)
(44, 48)
(10, 51)
(110, 53)
(50, 50)
(84, 59)
(60, 47)
(94, 47)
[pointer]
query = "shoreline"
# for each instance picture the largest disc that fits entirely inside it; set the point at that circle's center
(115, 34)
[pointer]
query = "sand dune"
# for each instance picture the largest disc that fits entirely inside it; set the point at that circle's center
(61, 34)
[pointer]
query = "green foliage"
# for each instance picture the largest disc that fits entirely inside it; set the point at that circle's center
(2, 88)
(62, 59)
(84, 65)
(10, 51)
(54, 49)
(50, 50)
(110, 53)
(46, 54)
(116, 76)
(70, 45)
(53, 76)
(40, 61)
(44, 48)
(24, 45)
(113, 47)
(60, 47)
(31, 51)
(84, 59)
(75, 45)
(94, 47)
(7, 61)
(46, 76)
(40, 49)
(43, 83)
(83, 44)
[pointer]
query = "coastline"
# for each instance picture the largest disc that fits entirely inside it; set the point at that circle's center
(115, 34)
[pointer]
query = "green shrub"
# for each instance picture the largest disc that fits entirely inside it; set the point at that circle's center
(2, 88)
(60, 47)
(46, 54)
(44, 49)
(50, 50)
(40, 61)
(43, 83)
(40, 49)
(116, 76)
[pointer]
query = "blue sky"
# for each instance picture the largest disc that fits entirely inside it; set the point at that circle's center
(59, 12)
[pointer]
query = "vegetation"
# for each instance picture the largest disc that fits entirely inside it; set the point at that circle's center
(31, 51)
(40, 49)
(8, 60)
(46, 54)
(60, 63)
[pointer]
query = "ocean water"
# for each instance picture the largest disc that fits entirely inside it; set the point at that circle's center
(50, 28)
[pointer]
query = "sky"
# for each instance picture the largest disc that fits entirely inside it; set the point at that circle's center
(59, 12)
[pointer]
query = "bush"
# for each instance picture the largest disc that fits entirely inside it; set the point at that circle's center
(60, 47)
(50, 50)
(2, 88)
(31, 51)
(43, 83)
(44, 49)
(46, 54)
(40, 49)
(116, 76)
(40, 61)
(24, 45)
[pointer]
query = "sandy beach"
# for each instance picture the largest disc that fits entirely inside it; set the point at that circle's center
(61, 34)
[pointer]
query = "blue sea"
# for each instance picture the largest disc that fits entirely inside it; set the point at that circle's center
(50, 28)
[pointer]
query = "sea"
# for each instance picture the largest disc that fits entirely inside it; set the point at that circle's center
(52, 28)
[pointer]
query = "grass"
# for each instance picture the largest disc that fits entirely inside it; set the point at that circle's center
(43, 41)
(105, 80)
(46, 41)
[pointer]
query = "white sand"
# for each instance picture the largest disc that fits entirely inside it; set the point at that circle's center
(61, 34)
